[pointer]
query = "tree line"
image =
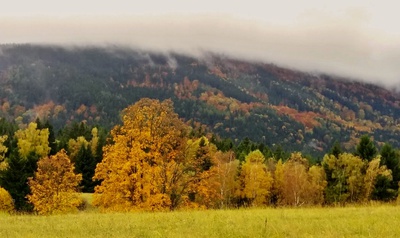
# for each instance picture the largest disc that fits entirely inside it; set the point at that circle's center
(154, 161)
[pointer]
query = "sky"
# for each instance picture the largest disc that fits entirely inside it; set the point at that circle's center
(356, 39)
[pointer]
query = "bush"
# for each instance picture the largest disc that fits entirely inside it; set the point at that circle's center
(6, 201)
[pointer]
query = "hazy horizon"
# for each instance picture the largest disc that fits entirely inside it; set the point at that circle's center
(356, 39)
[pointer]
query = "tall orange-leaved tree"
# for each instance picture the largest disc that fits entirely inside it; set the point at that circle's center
(201, 173)
(145, 167)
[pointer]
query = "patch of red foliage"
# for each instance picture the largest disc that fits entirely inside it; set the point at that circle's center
(308, 119)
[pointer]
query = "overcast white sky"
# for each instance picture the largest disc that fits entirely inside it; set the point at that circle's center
(360, 39)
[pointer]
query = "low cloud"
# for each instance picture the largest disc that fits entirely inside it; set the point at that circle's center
(344, 47)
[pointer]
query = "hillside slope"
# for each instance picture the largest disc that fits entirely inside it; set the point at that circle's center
(233, 98)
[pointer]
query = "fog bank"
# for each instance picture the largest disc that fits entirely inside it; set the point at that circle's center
(344, 46)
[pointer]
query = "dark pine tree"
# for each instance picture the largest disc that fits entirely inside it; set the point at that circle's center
(336, 149)
(279, 153)
(384, 188)
(52, 138)
(85, 164)
(366, 148)
(15, 179)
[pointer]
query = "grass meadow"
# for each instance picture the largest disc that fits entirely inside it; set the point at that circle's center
(363, 221)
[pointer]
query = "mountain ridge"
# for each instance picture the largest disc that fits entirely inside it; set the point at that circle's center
(233, 98)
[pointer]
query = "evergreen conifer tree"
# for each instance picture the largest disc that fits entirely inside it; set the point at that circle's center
(366, 149)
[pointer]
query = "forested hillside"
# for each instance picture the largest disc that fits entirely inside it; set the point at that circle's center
(231, 98)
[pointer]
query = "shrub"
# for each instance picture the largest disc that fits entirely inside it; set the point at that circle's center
(6, 201)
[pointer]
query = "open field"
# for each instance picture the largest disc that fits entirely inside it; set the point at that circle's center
(371, 221)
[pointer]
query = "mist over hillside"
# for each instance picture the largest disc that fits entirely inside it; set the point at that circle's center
(230, 97)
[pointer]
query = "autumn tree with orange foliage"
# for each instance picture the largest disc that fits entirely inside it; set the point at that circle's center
(54, 185)
(201, 174)
(149, 164)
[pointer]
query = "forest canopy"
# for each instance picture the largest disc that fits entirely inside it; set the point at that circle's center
(155, 161)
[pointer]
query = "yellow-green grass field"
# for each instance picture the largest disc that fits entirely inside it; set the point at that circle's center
(363, 221)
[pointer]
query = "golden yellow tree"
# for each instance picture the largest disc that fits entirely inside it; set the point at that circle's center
(74, 145)
(294, 187)
(256, 181)
(6, 201)
(94, 142)
(298, 184)
(34, 140)
(3, 151)
(373, 170)
(278, 183)
(121, 173)
(145, 166)
(227, 172)
(54, 185)
(316, 185)
(3, 148)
